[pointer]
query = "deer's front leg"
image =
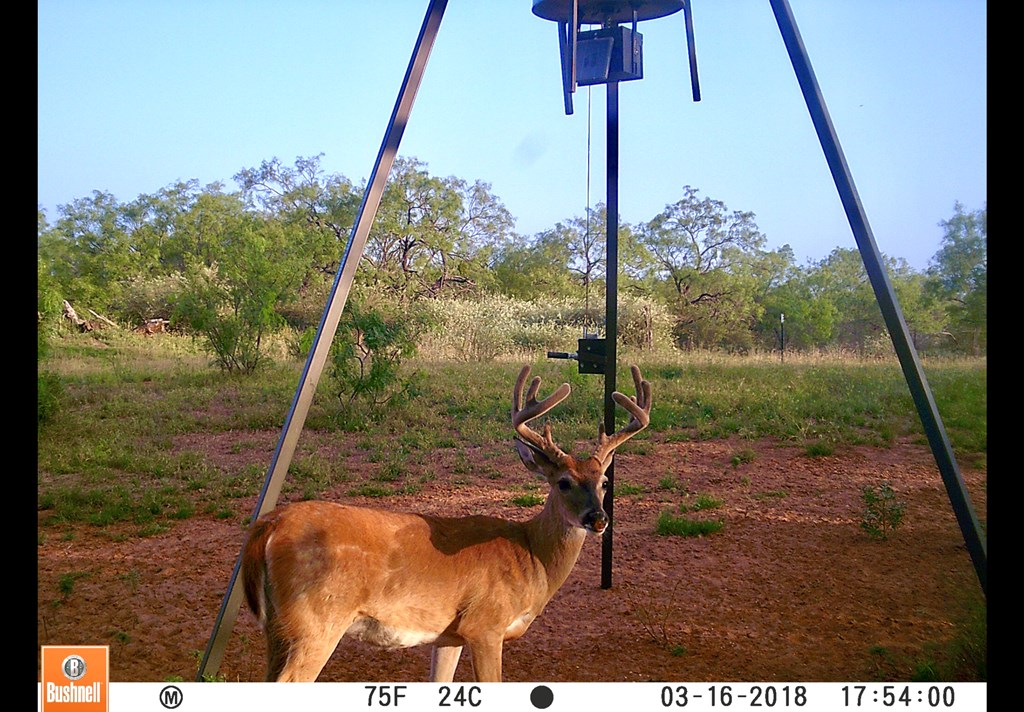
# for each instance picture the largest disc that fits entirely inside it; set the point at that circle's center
(487, 660)
(443, 661)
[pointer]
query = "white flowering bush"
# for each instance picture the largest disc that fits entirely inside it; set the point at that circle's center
(494, 326)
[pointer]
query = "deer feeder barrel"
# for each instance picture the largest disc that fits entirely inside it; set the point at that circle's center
(599, 12)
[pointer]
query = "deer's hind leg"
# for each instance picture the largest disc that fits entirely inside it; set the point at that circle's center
(486, 659)
(299, 651)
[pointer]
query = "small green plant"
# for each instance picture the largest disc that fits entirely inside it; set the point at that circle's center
(819, 448)
(655, 611)
(669, 483)
(706, 501)
(66, 584)
(50, 393)
(528, 500)
(743, 456)
(390, 472)
(627, 489)
(925, 670)
(370, 490)
(122, 638)
(883, 512)
(669, 524)
(131, 579)
(771, 494)
(207, 677)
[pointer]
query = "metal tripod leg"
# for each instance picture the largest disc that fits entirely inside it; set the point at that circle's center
(329, 322)
(884, 293)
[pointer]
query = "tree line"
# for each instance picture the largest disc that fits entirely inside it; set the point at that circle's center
(237, 264)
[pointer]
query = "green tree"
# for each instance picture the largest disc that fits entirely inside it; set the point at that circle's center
(810, 321)
(695, 236)
(433, 234)
(703, 252)
(958, 276)
(842, 279)
(179, 226)
(533, 268)
(581, 243)
(324, 206)
(922, 313)
(234, 303)
(91, 251)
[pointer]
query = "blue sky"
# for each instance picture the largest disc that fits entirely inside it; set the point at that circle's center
(136, 95)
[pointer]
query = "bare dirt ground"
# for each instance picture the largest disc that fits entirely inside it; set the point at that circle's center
(791, 588)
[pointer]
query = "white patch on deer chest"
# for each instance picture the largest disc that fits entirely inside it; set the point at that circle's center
(371, 630)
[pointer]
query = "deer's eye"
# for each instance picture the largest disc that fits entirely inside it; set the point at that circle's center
(604, 485)
(564, 485)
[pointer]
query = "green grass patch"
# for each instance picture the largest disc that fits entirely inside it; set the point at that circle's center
(669, 524)
(819, 448)
(528, 500)
(670, 483)
(369, 489)
(742, 457)
(706, 501)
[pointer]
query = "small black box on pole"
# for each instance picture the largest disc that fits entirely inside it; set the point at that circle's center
(611, 54)
(591, 355)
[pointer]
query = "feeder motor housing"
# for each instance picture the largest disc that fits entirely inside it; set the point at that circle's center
(591, 355)
(610, 54)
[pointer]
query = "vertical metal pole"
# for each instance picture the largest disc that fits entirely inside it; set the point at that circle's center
(329, 322)
(884, 293)
(782, 336)
(611, 318)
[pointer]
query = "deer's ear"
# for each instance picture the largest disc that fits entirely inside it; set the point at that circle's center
(535, 460)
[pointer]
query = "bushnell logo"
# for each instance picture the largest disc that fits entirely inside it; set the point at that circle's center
(74, 678)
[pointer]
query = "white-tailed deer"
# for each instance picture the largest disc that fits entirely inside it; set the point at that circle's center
(315, 571)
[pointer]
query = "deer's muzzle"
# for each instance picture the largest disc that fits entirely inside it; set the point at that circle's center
(595, 521)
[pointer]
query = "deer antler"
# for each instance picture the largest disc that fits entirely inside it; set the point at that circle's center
(639, 409)
(522, 415)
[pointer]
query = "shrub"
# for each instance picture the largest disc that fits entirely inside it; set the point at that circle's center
(149, 298)
(232, 317)
(883, 513)
(373, 339)
(50, 389)
(48, 385)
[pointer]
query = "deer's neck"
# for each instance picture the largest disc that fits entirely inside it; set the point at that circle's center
(555, 545)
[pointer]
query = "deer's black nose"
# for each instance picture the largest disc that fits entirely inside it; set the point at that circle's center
(595, 521)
